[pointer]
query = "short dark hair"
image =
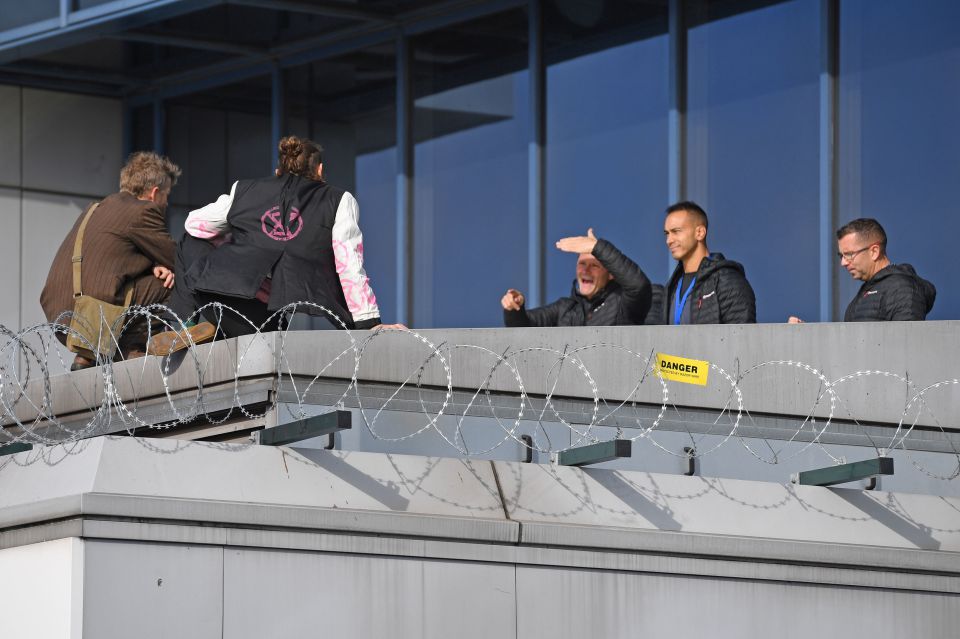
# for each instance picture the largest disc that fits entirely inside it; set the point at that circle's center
(868, 229)
(693, 209)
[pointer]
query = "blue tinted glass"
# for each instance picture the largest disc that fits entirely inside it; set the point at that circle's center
(607, 155)
(753, 149)
(900, 144)
(19, 14)
(470, 198)
(377, 196)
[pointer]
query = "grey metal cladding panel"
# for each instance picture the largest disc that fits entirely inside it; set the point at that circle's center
(649, 501)
(86, 129)
(749, 550)
(9, 244)
(152, 591)
(197, 142)
(571, 604)
(27, 479)
(357, 596)
(248, 147)
(323, 479)
(10, 136)
(46, 220)
(315, 518)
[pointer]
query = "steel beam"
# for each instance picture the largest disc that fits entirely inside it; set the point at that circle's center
(159, 126)
(322, 47)
(72, 74)
(677, 115)
(308, 428)
(278, 111)
(164, 40)
(829, 161)
(536, 160)
(84, 25)
(405, 173)
(12, 449)
(843, 473)
(349, 11)
(596, 453)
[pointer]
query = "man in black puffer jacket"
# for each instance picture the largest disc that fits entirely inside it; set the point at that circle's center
(610, 290)
(890, 292)
(705, 288)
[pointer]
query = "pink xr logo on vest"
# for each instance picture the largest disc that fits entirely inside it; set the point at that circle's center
(272, 224)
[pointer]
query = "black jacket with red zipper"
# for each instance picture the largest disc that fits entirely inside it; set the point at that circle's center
(720, 295)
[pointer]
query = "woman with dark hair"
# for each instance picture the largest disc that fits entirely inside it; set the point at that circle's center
(271, 242)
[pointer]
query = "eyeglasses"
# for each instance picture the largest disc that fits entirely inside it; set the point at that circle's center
(852, 254)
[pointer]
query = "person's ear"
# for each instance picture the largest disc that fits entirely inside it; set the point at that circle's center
(701, 233)
(320, 171)
(153, 194)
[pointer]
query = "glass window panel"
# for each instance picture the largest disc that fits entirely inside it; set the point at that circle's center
(377, 196)
(607, 110)
(900, 146)
(19, 14)
(470, 164)
(753, 145)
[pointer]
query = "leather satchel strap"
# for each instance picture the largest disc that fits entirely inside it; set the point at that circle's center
(78, 250)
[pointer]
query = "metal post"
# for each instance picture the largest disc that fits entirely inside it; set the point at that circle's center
(536, 161)
(676, 118)
(277, 110)
(127, 129)
(404, 182)
(829, 149)
(159, 126)
(66, 6)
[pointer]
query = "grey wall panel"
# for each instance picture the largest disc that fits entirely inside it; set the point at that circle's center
(340, 154)
(9, 136)
(71, 143)
(574, 604)
(46, 221)
(250, 151)
(196, 141)
(285, 594)
(9, 250)
(152, 590)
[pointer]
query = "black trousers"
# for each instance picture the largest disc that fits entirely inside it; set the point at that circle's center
(185, 302)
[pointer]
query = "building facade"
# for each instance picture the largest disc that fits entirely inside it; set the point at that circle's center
(476, 133)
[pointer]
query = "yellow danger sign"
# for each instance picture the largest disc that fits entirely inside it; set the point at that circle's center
(682, 369)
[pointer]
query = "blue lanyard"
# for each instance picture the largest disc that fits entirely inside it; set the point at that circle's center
(680, 303)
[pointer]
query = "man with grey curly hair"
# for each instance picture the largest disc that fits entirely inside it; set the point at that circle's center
(125, 245)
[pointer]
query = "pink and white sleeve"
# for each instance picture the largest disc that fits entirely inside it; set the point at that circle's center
(348, 258)
(210, 221)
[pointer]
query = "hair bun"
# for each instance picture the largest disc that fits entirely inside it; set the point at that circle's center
(290, 146)
(299, 156)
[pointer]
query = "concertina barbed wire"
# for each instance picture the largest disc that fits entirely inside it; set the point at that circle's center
(28, 417)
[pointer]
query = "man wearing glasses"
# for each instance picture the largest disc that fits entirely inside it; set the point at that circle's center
(890, 292)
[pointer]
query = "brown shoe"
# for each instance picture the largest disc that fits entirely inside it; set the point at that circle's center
(168, 342)
(80, 363)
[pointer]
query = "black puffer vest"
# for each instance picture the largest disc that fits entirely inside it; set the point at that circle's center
(282, 228)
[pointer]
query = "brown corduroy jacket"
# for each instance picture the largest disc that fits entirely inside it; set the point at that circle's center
(124, 239)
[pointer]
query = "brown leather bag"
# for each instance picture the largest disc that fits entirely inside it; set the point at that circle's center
(95, 325)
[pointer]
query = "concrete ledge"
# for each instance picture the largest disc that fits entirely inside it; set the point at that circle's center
(927, 352)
